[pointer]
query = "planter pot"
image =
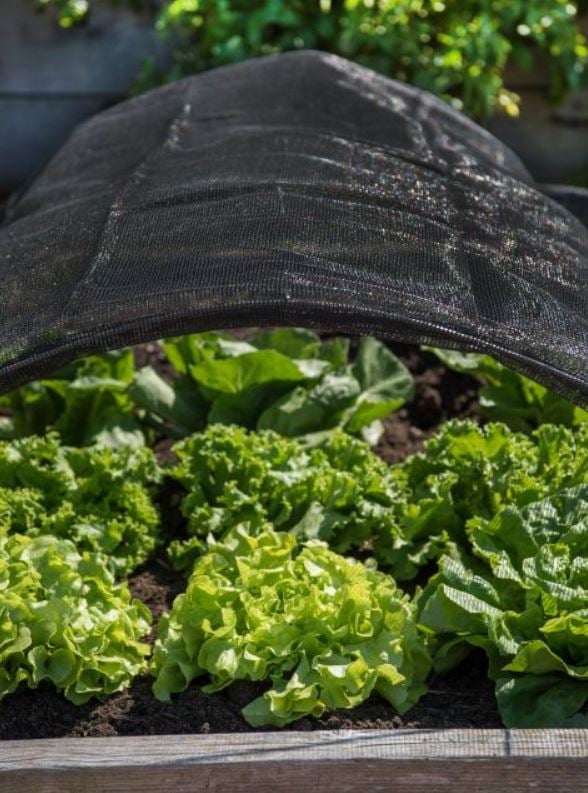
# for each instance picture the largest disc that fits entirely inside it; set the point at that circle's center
(456, 761)
(551, 140)
(51, 79)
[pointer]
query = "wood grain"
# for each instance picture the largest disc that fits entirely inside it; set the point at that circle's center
(360, 760)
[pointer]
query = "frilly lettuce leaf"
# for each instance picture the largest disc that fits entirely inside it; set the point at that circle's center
(64, 620)
(336, 490)
(98, 497)
(466, 472)
(523, 598)
(325, 630)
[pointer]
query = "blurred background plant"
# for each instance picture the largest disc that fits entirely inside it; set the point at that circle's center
(457, 49)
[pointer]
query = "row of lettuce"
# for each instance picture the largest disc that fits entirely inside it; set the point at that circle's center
(493, 522)
(288, 380)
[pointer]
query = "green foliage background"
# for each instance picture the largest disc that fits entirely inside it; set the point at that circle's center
(458, 49)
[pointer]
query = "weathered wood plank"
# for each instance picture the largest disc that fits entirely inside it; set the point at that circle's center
(374, 760)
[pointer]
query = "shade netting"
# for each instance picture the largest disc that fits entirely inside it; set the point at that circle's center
(298, 189)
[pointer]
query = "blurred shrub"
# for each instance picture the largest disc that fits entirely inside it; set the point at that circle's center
(458, 49)
(72, 12)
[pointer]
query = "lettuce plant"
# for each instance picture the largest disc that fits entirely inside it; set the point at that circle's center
(286, 380)
(523, 598)
(511, 397)
(336, 490)
(466, 472)
(85, 403)
(98, 497)
(323, 630)
(64, 620)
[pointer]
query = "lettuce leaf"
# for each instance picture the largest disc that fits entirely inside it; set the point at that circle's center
(287, 380)
(64, 620)
(511, 397)
(523, 597)
(86, 403)
(98, 497)
(323, 629)
(466, 472)
(336, 490)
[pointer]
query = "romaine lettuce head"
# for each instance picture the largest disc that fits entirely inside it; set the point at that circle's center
(64, 620)
(325, 630)
(511, 397)
(86, 403)
(286, 380)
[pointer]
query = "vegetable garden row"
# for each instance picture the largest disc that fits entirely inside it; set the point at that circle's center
(310, 566)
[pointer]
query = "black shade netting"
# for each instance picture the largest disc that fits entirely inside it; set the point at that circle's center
(294, 189)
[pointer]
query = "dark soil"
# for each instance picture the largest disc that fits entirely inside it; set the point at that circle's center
(440, 395)
(463, 698)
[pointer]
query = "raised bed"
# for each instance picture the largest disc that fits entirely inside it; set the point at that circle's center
(367, 747)
(436, 760)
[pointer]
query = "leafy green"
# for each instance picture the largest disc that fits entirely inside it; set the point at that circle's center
(286, 380)
(337, 490)
(174, 410)
(64, 620)
(466, 471)
(86, 403)
(457, 50)
(523, 598)
(511, 397)
(248, 370)
(332, 487)
(98, 497)
(323, 629)
(386, 384)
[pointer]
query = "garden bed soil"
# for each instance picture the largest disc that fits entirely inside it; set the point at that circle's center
(463, 698)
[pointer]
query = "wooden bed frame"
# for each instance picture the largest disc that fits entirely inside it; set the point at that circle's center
(460, 761)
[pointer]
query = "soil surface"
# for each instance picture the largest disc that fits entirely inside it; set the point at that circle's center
(463, 698)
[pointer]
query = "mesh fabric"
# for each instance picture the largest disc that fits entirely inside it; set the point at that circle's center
(294, 189)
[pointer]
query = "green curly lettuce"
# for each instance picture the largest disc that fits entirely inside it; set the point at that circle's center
(337, 490)
(64, 620)
(325, 630)
(523, 598)
(98, 497)
(467, 471)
